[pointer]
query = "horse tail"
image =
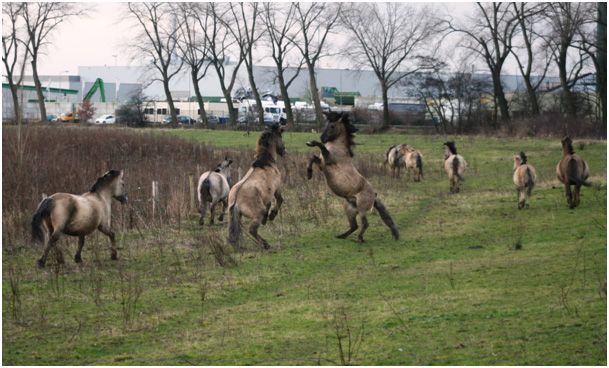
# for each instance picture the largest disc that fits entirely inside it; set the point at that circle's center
(456, 164)
(573, 176)
(386, 217)
(234, 227)
(44, 210)
(205, 190)
(420, 164)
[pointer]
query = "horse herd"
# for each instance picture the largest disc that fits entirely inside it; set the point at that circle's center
(253, 196)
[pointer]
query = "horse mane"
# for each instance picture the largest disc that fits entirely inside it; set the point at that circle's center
(349, 127)
(523, 158)
(451, 147)
(264, 158)
(566, 141)
(104, 180)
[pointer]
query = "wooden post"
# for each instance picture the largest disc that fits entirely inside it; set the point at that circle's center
(155, 197)
(193, 190)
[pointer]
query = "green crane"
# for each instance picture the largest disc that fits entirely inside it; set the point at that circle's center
(99, 83)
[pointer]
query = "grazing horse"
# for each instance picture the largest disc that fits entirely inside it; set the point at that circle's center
(524, 178)
(454, 165)
(213, 188)
(572, 170)
(78, 215)
(252, 196)
(336, 163)
(413, 161)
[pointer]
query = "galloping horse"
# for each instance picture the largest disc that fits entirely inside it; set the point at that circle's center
(213, 188)
(454, 165)
(252, 196)
(572, 170)
(524, 178)
(336, 162)
(78, 215)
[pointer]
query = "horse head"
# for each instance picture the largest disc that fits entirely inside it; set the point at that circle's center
(567, 145)
(113, 182)
(338, 125)
(270, 144)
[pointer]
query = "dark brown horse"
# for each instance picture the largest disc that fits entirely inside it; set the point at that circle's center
(78, 215)
(252, 196)
(343, 178)
(572, 170)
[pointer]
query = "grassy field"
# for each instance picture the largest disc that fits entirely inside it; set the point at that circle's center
(472, 281)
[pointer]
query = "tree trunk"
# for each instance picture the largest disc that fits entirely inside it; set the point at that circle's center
(41, 105)
(172, 109)
(286, 101)
(315, 96)
(195, 83)
(384, 90)
(250, 76)
(15, 95)
(232, 114)
(601, 73)
(533, 103)
(500, 96)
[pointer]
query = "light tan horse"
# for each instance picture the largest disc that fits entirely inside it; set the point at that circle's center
(392, 158)
(413, 161)
(524, 177)
(572, 170)
(454, 165)
(343, 178)
(213, 188)
(78, 215)
(252, 196)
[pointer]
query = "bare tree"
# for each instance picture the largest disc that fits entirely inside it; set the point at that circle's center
(529, 15)
(157, 42)
(315, 22)
(489, 33)
(243, 29)
(193, 48)
(280, 22)
(388, 37)
(41, 19)
(215, 22)
(13, 58)
(565, 21)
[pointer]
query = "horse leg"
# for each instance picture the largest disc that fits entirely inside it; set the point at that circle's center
(576, 195)
(202, 210)
(81, 244)
(254, 232)
(278, 202)
(224, 205)
(351, 212)
(324, 151)
(312, 160)
(364, 221)
(50, 243)
(569, 195)
(521, 198)
(212, 212)
(107, 231)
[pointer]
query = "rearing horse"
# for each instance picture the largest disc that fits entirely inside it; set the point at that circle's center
(343, 178)
(78, 215)
(252, 196)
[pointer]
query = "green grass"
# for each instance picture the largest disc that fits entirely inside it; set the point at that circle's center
(453, 291)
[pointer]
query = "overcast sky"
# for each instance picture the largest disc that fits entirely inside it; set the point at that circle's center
(100, 39)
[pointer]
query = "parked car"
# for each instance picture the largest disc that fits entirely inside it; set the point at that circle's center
(52, 118)
(105, 119)
(182, 119)
(67, 117)
(211, 119)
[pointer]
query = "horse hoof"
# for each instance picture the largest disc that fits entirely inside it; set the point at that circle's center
(114, 256)
(266, 245)
(40, 263)
(341, 236)
(309, 174)
(360, 239)
(201, 222)
(272, 215)
(310, 144)
(77, 258)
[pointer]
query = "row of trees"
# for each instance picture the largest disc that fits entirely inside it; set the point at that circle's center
(399, 42)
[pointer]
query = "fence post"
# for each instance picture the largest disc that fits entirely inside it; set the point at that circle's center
(155, 197)
(192, 186)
